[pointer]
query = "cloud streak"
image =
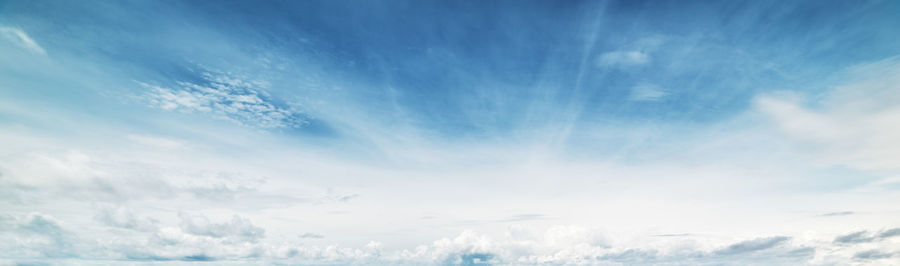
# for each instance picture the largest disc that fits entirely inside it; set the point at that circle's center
(20, 38)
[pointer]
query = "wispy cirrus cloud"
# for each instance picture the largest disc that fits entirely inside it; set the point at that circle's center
(20, 38)
(647, 92)
(622, 59)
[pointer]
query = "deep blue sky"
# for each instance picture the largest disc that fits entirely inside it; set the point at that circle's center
(485, 67)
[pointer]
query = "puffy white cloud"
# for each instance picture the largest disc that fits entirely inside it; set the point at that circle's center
(39, 237)
(238, 229)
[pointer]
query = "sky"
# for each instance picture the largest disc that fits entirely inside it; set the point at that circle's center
(450, 132)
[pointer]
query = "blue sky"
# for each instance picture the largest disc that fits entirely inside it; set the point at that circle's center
(449, 132)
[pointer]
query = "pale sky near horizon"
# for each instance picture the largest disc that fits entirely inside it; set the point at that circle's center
(450, 132)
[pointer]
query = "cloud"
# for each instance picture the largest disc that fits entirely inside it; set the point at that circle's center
(753, 245)
(547, 249)
(20, 38)
(414, 134)
(311, 235)
(238, 229)
(890, 233)
(851, 125)
(37, 235)
(226, 97)
(866, 236)
(872, 255)
(347, 198)
(622, 59)
(121, 217)
(838, 213)
(856, 237)
(196, 239)
(646, 92)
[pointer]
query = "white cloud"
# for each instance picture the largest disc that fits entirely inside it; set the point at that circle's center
(238, 229)
(647, 92)
(121, 217)
(854, 125)
(20, 38)
(42, 237)
(622, 59)
(226, 97)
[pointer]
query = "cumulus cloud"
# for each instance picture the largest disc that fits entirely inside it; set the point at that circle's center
(36, 235)
(20, 38)
(91, 176)
(567, 245)
(121, 217)
(238, 229)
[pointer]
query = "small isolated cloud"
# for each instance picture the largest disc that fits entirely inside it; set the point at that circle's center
(646, 92)
(311, 235)
(238, 229)
(20, 38)
(347, 198)
(622, 59)
(838, 214)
